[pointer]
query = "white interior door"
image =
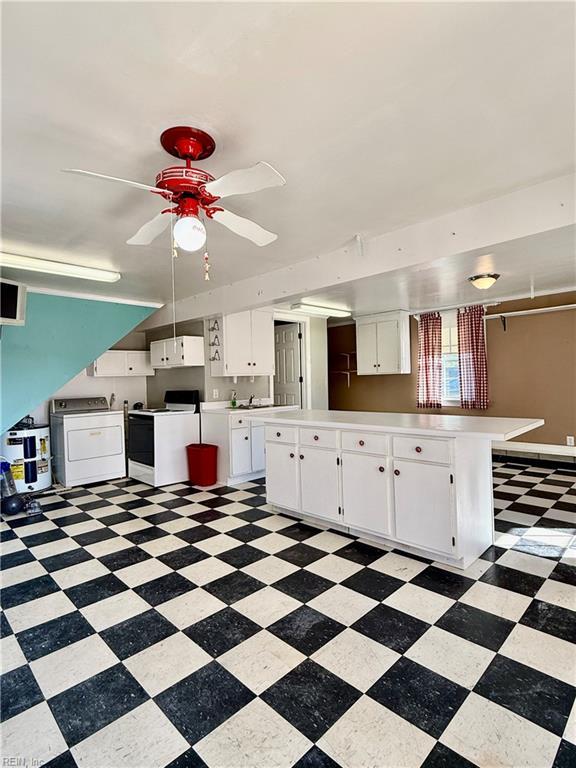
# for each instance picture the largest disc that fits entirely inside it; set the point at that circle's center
(282, 475)
(365, 492)
(388, 347)
(257, 447)
(423, 505)
(366, 349)
(241, 453)
(238, 344)
(287, 376)
(319, 482)
(262, 343)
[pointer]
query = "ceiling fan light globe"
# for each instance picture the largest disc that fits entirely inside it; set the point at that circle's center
(189, 233)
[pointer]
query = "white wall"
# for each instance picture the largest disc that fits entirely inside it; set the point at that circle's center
(131, 388)
(318, 363)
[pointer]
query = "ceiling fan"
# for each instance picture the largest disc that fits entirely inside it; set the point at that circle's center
(193, 191)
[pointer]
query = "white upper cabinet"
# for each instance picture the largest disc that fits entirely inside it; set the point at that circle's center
(182, 352)
(120, 362)
(248, 344)
(383, 343)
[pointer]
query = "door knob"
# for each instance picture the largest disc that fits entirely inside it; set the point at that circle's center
(301, 455)
(396, 472)
(380, 469)
(418, 449)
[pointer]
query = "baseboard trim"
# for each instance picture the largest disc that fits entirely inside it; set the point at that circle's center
(535, 461)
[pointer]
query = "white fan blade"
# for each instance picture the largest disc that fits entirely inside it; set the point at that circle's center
(151, 229)
(244, 227)
(259, 176)
(113, 178)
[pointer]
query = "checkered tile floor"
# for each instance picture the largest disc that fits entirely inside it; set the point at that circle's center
(154, 627)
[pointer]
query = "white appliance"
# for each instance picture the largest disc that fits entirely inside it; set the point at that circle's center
(157, 438)
(87, 440)
(28, 451)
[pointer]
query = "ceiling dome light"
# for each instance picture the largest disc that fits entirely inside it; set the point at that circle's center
(189, 233)
(482, 282)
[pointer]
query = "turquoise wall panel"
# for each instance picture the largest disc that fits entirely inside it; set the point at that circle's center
(62, 335)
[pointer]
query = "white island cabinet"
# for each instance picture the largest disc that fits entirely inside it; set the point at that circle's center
(418, 482)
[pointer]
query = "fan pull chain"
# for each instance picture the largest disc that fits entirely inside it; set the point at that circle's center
(173, 258)
(207, 266)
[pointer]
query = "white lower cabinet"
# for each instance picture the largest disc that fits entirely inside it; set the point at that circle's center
(423, 505)
(282, 475)
(319, 486)
(258, 448)
(366, 493)
(240, 452)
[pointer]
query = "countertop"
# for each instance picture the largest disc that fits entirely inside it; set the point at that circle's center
(228, 411)
(481, 427)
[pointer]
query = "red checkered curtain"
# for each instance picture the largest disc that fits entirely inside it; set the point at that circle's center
(472, 358)
(430, 360)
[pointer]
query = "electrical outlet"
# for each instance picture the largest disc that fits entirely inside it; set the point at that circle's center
(570, 440)
(215, 394)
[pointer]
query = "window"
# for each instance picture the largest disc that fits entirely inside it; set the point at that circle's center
(450, 368)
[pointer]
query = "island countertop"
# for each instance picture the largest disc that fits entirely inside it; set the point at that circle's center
(481, 427)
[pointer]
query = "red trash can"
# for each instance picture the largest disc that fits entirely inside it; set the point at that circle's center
(202, 467)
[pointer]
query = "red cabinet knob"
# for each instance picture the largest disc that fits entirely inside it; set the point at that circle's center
(396, 472)
(316, 437)
(360, 442)
(418, 449)
(380, 469)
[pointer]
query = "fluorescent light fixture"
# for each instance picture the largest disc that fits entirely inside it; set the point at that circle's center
(314, 309)
(49, 267)
(482, 282)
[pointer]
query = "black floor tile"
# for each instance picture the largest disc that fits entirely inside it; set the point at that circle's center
(203, 700)
(478, 626)
(306, 629)
(300, 531)
(532, 547)
(162, 517)
(92, 505)
(373, 583)
(93, 537)
(18, 691)
(176, 503)
(27, 590)
(390, 627)
(301, 554)
(93, 591)
(65, 760)
(566, 755)
(363, 554)
(47, 537)
(117, 518)
(144, 535)
(241, 556)
(188, 759)
(311, 698)
(493, 553)
(443, 757)
(89, 706)
(527, 692)
(64, 522)
(13, 559)
(133, 635)
(207, 516)
(5, 628)
(419, 695)
(233, 587)
(552, 619)
(248, 532)
(564, 572)
(510, 578)
(134, 504)
(253, 515)
(303, 585)
(165, 588)
(443, 582)
(53, 635)
(180, 558)
(124, 558)
(196, 534)
(315, 758)
(66, 559)
(222, 631)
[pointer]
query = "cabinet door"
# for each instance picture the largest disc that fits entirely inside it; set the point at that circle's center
(388, 347)
(174, 351)
(138, 364)
(263, 363)
(112, 363)
(193, 350)
(423, 505)
(257, 448)
(366, 349)
(238, 344)
(157, 356)
(365, 492)
(240, 451)
(319, 483)
(282, 475)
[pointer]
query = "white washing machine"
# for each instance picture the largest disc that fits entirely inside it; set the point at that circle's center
(87, 440)
(28, 451)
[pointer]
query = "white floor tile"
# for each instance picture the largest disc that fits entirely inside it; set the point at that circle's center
(270, 569)
(505, 540)
(225, 524)
(356, 658)
(489, 735)
(399, 566)
(369, 734)
(215, 545)
(140, 573)
(328, 541)
(266, 606)
(474, 571)
(451, 656)
(23, 531)
(562, 514)
(38, 611)
(548, 654)
(167, 662)
(112, 610)
(175, 526)
(205, 571)
(86, 527)
(78, 574)
(522, 518)
(22, 573)
(334, 568)
(422, 603)
(32, 738)
(163, 545)
(54, 548)
(502, 602)
(538, 566)
(275, 522)
(11, 656)
(261, 660)
(558, 593)
(143, 738)
(130, 526)
(191, 607)
(254, 736)
(14, 545)
(343, 604)
(570, 730)
(273, 543)
(107, 547)
(71, 665)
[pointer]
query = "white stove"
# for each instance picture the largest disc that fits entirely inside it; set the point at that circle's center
(87, 440)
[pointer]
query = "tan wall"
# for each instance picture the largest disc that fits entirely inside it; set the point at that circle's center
(531, 371)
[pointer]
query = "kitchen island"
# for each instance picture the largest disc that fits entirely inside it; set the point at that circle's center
(417, 482)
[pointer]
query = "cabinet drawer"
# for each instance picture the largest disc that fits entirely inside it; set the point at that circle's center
(422, 448)
(366, 442)
(238, 420)
(322, 438)
(281, 434)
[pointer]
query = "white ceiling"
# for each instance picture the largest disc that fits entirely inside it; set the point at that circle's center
(545, 263)
(378, 115)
